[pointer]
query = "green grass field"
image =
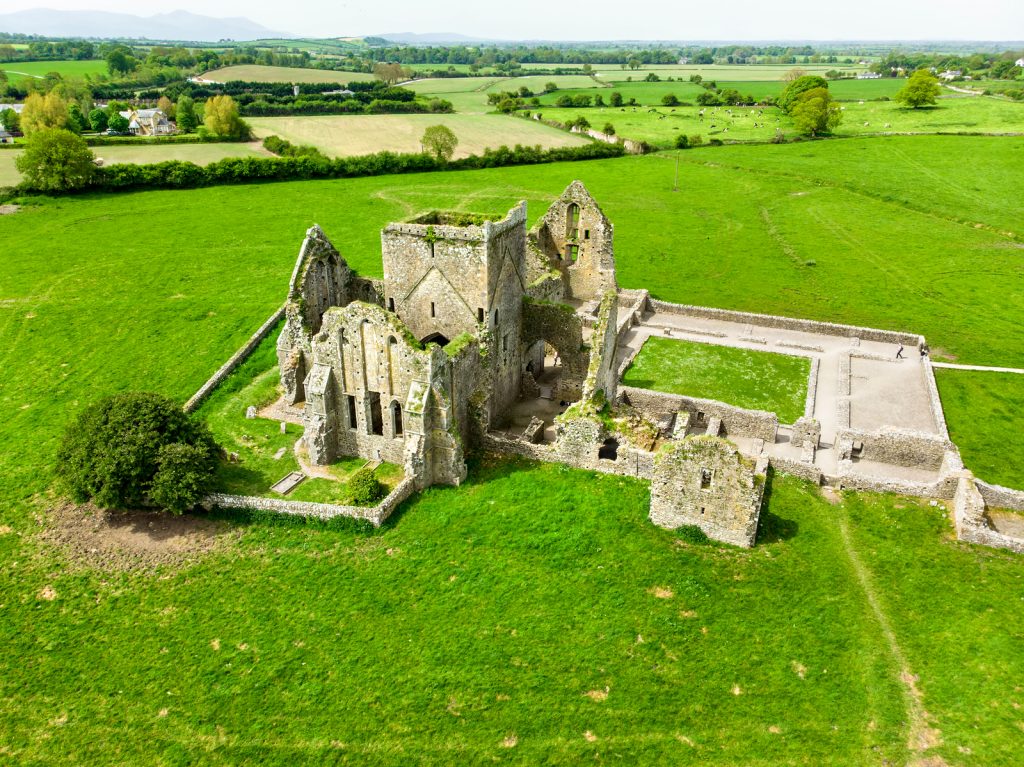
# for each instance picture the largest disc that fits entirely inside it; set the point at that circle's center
(748, 379)
(19, 70)
(985, 415)
(346, 135)
(201, 154)
(487, 621)
(257, 73)
(660, 125)
(257, 441)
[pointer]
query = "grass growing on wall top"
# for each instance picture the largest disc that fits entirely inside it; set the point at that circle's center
(749, 379)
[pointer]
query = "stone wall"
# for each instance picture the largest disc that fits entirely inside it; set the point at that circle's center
(999, 497)
(234, 361)
(807, 471)
(895, 446)
(704, 481)
(788, 323)
(849, 478)
(602, 375)
(376, 515)
(970, 519)
(577, 239)
(735, 421)
(934, 399)
(806, 431)
(560, 326)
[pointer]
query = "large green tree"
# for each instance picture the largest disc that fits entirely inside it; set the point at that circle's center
(185, 114)
(922, 89)
(137, 449)
(800, 85)
(56, 160)
(815, 112)
(220, 116)
(440, 141)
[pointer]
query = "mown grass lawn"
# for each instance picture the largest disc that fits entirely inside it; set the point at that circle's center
(102, 293)
(741, 377)
(985, 415)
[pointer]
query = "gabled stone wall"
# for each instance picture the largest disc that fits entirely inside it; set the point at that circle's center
(704, 481)
(577, 239)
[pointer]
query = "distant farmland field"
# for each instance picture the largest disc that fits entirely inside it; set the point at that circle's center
(256, 73)
(19, 70)
(349, 135)
(200, 154)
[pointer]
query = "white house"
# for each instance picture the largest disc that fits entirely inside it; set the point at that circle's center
(951, 74)
(1020, 62)
(868, 76)
(149, 122)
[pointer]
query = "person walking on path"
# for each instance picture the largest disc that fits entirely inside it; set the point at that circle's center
(899, 352)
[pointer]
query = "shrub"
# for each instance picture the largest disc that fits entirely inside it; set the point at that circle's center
(682, 142)
(670, 100)
(696, 140)
(364, 489)
(116, 449)
(608, 129)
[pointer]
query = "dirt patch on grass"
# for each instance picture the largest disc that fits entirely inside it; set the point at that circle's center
(134, 540)
(8, 210)
(597, 695)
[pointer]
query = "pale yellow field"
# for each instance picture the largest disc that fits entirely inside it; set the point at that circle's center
(255, 73)
(349, 135)
(200, 154)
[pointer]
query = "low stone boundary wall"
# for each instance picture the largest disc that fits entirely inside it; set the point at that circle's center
(631, 315)
(799, 469)
(234, 361)
(895, 446)
(999, 497)
(373, 514)
(735, 421)
(789, 323)
(969, 517)
(936, 402)
(812, 388)
(849, 479)
(631, 462)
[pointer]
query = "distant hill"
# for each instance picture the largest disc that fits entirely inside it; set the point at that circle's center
(434, 38)
(178, 25)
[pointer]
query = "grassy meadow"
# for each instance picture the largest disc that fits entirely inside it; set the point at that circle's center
(748, 379)
(659, 125)
(200, 154)
(984, 415)
(534, 614)
(349, 135)
(20, 70)
(259, 73)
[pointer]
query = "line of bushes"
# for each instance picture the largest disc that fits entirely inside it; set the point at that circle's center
(349, 106)
(284, 148)
(176, 174)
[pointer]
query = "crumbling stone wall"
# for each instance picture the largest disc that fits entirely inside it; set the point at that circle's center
(602, 376)
(735, 421)
(704, 481)
(560, 326)
(576, 237)
(899, 447)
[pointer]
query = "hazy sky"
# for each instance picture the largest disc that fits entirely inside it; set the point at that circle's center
(604, 20)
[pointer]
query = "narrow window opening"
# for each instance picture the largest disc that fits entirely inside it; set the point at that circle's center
(586, 234)
(480, 315)
(376, 415)
(351, 411)
(702, 511)
(396, 419)
(391, 304)
(572, 222)
(433, 309)
(495, 317)
(571, 252)
(705, 479)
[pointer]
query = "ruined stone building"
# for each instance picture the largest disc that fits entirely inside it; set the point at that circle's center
(479, 330)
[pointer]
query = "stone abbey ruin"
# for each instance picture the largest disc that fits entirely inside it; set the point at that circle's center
(484, 335)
